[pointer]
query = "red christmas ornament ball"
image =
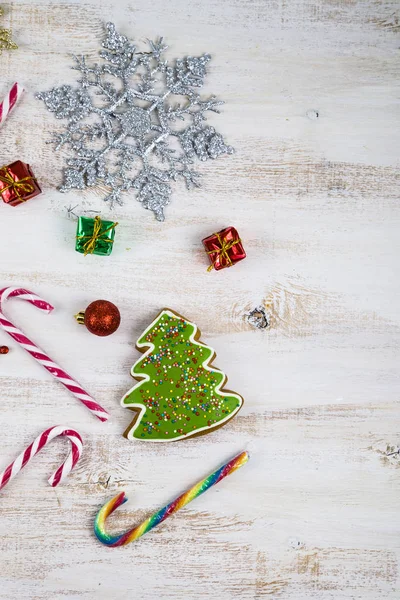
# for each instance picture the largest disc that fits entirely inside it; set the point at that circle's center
(102, 318)
(4, 349)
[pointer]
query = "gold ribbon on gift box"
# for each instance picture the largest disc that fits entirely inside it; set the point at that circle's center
(91, 240)
(222, 252)
(16, 185)
(5, 38)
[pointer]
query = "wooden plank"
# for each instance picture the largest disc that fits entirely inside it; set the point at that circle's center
(311, 91)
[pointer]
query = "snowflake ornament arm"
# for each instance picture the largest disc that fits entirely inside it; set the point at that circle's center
(125, 129)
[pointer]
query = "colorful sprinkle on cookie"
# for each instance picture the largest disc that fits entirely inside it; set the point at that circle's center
(179, 394)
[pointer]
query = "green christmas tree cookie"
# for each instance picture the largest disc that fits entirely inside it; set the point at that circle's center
(179, 393)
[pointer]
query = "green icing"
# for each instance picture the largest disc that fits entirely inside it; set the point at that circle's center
(180, 397)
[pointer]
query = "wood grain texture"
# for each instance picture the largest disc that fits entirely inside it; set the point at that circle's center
(312, 108)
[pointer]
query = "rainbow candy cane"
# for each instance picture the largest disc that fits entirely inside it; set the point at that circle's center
(160, 516)
(41, 441)
(73, 386)
(10, 100)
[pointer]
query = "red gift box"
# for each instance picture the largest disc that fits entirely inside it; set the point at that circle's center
(224, 248)
(18, 183)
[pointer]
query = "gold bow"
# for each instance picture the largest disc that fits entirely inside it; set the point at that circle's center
(6, 43)
(16, 185)
(90, 245)
(5, 38)
(223, 251)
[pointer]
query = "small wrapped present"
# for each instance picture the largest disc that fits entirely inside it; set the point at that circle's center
(18, 183)
(224, 248)
(94, 236)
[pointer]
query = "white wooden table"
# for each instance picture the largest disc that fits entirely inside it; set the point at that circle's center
(311, 91)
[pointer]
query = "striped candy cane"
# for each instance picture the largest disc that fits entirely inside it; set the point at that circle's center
(10, 101)
(41, 441)
(57, 372)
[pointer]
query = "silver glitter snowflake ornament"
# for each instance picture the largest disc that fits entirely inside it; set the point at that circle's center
(127, 127)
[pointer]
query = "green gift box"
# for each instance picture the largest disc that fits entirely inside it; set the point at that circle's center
(94, 236)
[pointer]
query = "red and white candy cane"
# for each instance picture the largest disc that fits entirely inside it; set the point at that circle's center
(73, 386)
(41, 441)
(11, 99)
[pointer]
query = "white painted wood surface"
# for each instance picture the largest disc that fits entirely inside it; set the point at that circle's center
(315, 514)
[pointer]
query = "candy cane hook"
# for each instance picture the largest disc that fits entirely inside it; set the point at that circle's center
(41, 441)
(71, 384)
(135, 533)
